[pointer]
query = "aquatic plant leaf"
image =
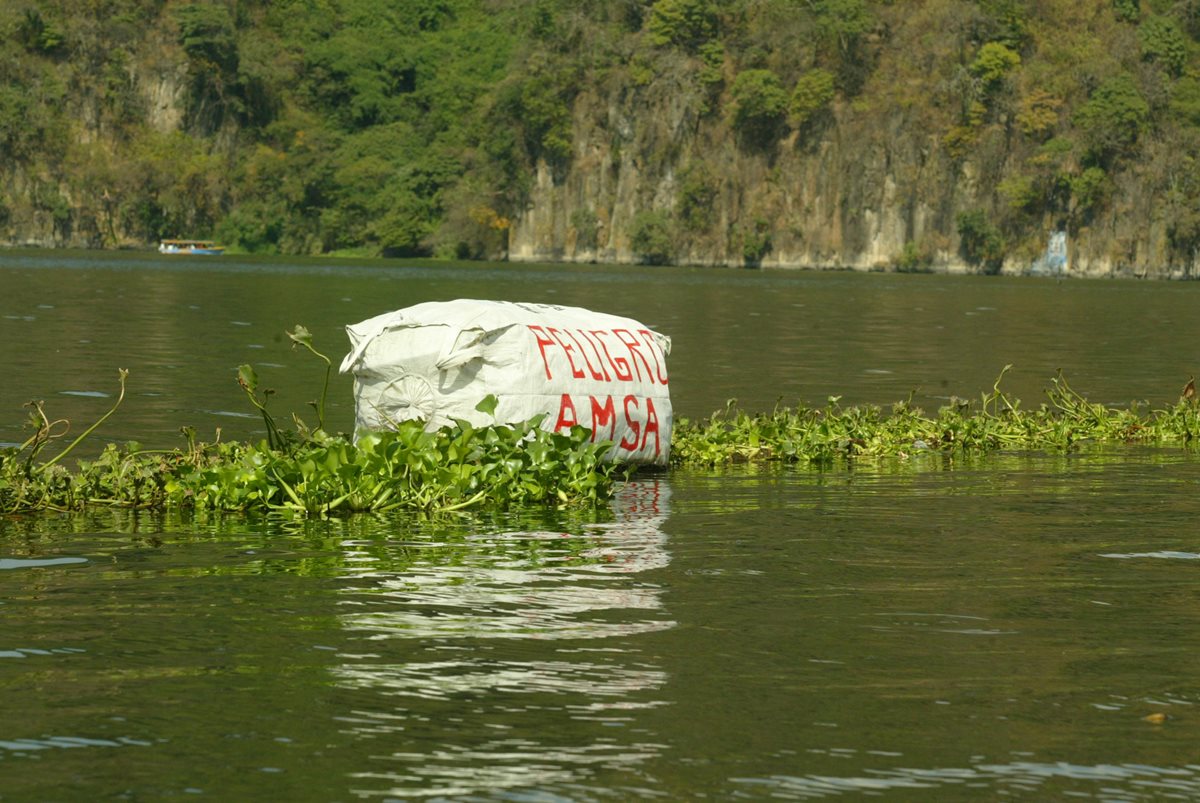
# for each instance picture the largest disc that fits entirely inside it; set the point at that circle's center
(247, 378)
(301, 336)
(488, 404)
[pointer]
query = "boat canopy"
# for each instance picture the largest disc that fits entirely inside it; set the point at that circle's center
(189, 247)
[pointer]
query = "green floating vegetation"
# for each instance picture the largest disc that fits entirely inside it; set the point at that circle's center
(452, 468)
(997, 422)
(311, 473)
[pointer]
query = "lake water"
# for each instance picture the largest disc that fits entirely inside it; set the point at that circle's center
(1017, 626)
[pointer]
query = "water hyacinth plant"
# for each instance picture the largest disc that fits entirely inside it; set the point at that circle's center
(449, 469)
(308, 472)
(452, 468)
(997, 422)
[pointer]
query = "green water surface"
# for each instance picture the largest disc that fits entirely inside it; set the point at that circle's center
(920, 629)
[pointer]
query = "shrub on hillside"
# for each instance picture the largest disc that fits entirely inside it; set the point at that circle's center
(1114, 116)
(685, 23)
(652, 237)
(759, 104)
(1163, 43)
(980, 242)
(814, 91)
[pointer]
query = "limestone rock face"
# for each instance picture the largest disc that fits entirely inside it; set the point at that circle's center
(853, 190)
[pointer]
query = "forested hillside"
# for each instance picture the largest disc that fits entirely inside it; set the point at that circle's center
(907, 135)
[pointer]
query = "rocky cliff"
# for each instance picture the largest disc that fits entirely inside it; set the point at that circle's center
(940, 135)
(854, 194)
(888, 175)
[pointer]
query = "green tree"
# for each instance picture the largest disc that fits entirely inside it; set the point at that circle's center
(759, 105)
(684, 23)
(208, 37)
(841, 27)
(14, 121)
(1009, 22)
(1183, 226)
(993, 64)
(546, 117)
(1113, 117)
(538, 105)
(697, 192)
(1185, 100)
(172, 185)
(712, 54)
(37, 34)
(362, 78)
(813, 92)
(405, 225)
(1021, 193)
(652, 237)
(1127, 10)
(756, 242)
(1090, 189)
(915, 257)
(1163, 43)
(842, 22)
(980, 242)
(1188, 13)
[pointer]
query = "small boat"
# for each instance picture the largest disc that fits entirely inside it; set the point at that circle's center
(190, 247)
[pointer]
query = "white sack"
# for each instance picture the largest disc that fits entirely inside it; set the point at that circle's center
(437, 361)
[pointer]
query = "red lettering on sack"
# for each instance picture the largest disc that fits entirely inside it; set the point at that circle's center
(630, 444)
(619, 365)
(583, 352)
(567, 417)
(660, 368)
(603, 415)
(592, 344)
(575, 372)
(543, 340)
(635, 353)
(596, 351)
(651, 426)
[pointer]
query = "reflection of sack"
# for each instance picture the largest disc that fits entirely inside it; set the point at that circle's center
(636, 541)
(437, 361)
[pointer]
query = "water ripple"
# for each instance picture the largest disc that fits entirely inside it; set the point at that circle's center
(442, 680)
(65, 742)
(534, 584)
(1177, 783)
(35, 563)
(1164, 554)
(499, 764)
(484, 605)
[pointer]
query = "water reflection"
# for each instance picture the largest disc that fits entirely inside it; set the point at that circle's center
(1017, 625)
(448, 641)
(65, 742)
(1141, 781)
(1167, 554)
(504, 764)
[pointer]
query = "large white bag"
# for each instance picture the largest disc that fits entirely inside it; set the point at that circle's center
(437, 361)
